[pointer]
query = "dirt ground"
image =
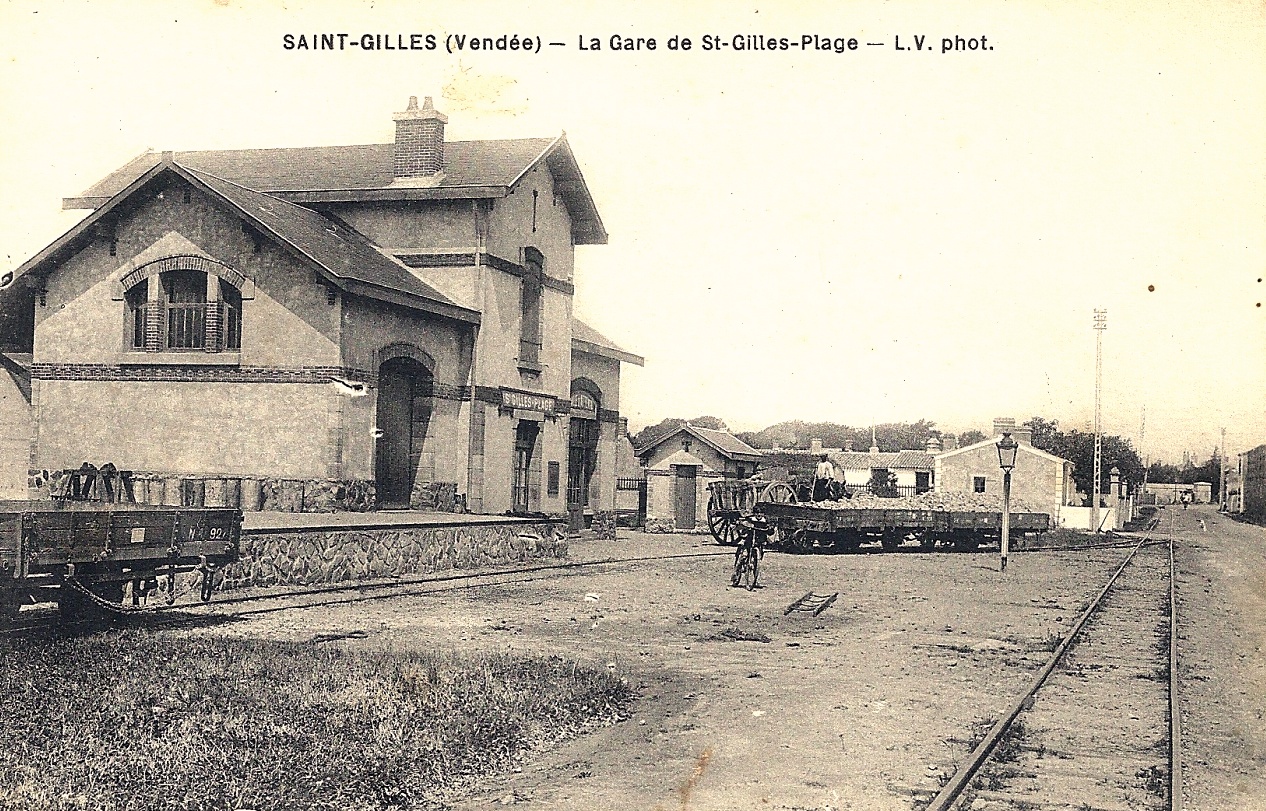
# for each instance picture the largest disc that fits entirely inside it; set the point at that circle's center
(867, 706)
(1222, 615)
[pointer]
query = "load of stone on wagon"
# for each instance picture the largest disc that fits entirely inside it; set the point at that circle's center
(960, 521)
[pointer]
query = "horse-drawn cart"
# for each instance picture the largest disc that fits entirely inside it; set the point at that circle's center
(732, 499)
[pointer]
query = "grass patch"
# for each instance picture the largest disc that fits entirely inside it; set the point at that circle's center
(138, 721)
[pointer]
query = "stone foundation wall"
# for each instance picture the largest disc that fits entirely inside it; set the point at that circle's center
(316, 558)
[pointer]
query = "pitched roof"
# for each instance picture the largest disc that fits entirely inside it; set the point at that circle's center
(325, 168)
(723, 442)
(1024, 447)
(472, 169)
(587, 339)
(863, 460)
(913, 459)
(344, 257)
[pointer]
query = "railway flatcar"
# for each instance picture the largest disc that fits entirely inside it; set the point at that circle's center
(954, 521)
(82, 553)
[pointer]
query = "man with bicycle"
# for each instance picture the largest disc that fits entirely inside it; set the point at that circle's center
(753, 532)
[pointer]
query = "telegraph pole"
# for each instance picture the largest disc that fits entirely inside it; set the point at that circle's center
(1222, 471)
(1143, 450)
(1101, 323)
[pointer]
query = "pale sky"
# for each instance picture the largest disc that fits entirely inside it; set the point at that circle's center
(868, 236)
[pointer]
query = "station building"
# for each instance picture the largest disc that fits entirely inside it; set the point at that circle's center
(326, 328)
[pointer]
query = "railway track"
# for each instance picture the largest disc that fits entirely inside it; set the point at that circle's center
(343, 593)
(1097, 729)
(294, 599)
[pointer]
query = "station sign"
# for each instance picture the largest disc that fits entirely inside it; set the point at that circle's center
(526, 401)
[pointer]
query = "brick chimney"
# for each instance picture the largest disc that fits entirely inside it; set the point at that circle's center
(1003, 425)
(815, 446)
(419, 151)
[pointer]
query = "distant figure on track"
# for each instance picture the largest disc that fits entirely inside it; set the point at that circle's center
(823, 478)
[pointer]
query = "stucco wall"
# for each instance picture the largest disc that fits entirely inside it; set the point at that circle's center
(1253, 489)
(510, 224)
(15, 437)
(288, 322)
(432, 224)
(244, 429)
(712, 461)
(1038, 482)
(661, 500)
(370, 326)
(602, 372)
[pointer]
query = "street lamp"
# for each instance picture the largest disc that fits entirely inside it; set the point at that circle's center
(1007, 448)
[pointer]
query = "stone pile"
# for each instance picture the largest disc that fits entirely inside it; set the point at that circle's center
(954, 502)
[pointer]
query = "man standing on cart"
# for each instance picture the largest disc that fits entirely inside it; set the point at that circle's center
(823, 479)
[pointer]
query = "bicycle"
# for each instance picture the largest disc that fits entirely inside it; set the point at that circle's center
(752, 531)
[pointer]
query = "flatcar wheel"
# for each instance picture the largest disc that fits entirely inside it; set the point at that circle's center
(927, 542)
(778, 493)
(802, 542)
(890, 541)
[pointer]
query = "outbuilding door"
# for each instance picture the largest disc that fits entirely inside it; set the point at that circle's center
(685, 496)
(404, 412)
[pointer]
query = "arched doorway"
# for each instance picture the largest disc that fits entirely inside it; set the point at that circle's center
(582, 451)
(403, 416)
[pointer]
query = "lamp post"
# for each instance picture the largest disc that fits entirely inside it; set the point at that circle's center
(1007, 448)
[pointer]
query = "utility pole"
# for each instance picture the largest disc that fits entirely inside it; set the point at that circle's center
(1101, 323)
(1143, 450)
(1222, 471)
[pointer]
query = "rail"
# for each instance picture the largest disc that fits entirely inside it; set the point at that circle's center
(961, 778)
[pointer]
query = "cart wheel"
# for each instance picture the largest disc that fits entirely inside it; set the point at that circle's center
(721, 526)
(778, 493)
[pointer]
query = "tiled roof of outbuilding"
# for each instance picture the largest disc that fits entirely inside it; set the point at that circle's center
(725, 441)
(901, 460)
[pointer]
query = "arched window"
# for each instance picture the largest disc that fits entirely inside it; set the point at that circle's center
(184, 310)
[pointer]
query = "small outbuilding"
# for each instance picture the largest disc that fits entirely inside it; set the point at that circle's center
(680, 465)
(1041, 481)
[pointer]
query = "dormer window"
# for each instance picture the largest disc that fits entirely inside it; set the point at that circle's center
(184, 311)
